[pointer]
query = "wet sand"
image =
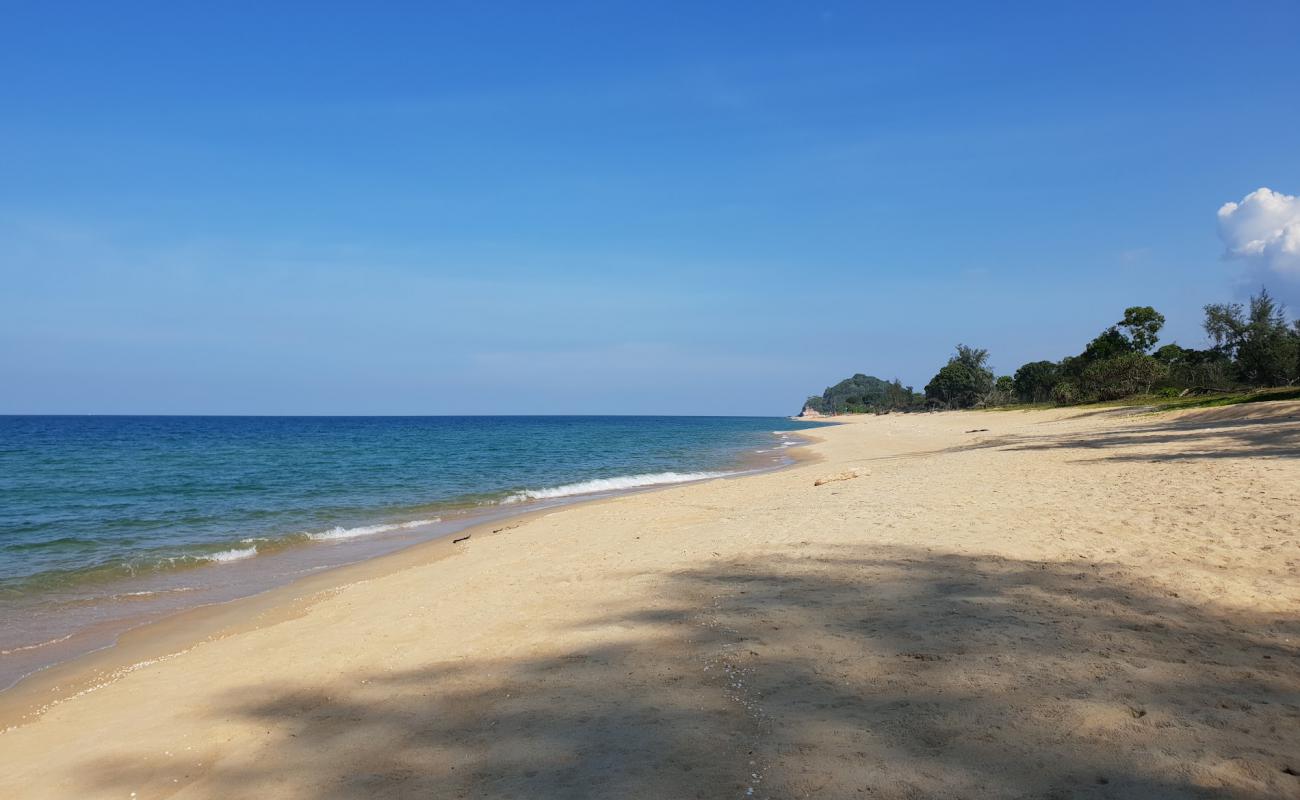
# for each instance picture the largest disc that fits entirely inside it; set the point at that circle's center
(1068, 604)
(47, 628)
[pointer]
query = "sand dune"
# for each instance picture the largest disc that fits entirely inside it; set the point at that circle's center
(1068, 604)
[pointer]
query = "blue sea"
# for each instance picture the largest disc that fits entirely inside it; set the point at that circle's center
(106, 522)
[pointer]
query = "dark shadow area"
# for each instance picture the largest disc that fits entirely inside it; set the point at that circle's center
(1195, 439)
(817, 672)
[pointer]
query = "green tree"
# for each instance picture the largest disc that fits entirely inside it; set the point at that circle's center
(1141, 326)
(1004, 391)
(1143, 323)
(864, 393)
(1172, 354)
(1195, 369)
(1116, 356)
(899, 397)
(1033, 382)
(1108, 344)
(855, 394)
(973, 357)
(1258, 338)
(964, 381)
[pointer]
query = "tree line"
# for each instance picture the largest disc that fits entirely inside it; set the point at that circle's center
(1251, 345)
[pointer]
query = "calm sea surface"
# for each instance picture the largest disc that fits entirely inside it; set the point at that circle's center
(106, 522)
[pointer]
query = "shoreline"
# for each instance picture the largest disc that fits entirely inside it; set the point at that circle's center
(173, 632)
(1063, 604)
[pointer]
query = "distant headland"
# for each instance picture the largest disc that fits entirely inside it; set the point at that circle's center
(1254, 353)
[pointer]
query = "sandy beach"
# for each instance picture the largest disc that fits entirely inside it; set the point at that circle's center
(1068, 603)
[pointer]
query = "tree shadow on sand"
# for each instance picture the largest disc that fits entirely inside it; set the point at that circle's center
(819, 672)
(1191, 439)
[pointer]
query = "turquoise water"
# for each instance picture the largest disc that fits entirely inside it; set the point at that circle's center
(100, 497)
(96, 511)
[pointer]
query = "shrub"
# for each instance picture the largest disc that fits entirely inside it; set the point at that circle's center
(1003, 393)
(1065, 393)
(1120, 376)
(1034, 381)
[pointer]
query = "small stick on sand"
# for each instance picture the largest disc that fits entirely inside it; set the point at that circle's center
(839, 476)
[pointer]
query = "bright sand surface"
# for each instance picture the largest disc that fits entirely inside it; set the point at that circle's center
(1069, 604)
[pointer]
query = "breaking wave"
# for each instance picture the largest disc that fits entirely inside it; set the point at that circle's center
(226, 556)
(612, 485)
(340, 532)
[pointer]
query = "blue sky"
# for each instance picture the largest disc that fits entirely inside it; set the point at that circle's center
(610, 207)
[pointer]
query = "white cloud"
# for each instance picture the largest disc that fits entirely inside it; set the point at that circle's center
(1264, 228)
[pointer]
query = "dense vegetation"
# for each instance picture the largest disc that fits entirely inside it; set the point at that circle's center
(1253, 346)
(864, 393)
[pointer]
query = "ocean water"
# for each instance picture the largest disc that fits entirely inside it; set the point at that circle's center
(106, 522)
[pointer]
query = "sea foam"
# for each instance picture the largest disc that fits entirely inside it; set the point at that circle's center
(368, 530)
(612, 485)
(226, 556)
(34, 646)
